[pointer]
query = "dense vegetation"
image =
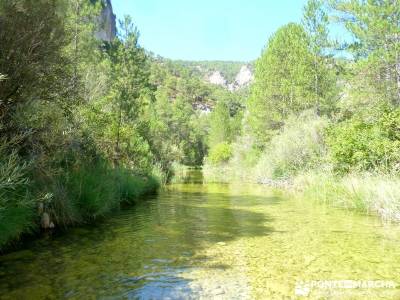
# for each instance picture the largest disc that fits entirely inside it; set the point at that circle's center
(325, 122)
(86, 125)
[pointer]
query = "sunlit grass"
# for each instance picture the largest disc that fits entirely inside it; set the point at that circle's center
(79, 194)
(367, 193)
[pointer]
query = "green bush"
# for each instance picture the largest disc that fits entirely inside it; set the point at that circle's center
(221, 153)
(359, 144)
(93, 190)
(300, 146)
(131, 186)
(80, 193)
(87, 191)
(16, 200)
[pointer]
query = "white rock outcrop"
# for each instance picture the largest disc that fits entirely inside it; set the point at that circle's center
(243, 79)
(217, 78)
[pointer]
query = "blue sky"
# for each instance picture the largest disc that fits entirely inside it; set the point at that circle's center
(208, 29)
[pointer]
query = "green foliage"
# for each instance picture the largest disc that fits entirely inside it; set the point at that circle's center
(34, 64)
(360, 144)
(374, 26)
(221, 153)
(245, 156)
(316, 22)
(131, 186)
(93, 190)
(300, 146)
(130, 85)
(220, 130)
(367, 193)
(16, 197)
(83, 49)
(85, 191)
(177, 129)
(285, 82)
(79, 103)
(228, 69)
(225, 118)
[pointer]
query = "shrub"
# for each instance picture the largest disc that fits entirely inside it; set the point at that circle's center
(131, 186)
(300, 146)
(88, 190)
(92, 190)
(366, 145)
(221, 153)
(16, 200)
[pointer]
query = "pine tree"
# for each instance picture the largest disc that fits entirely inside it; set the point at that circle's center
(32, 38)
(130, 83)
(284, 82)
(220, 130)
(375, 25)
(315, 22)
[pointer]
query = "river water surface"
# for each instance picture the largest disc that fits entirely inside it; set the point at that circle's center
(195, 241)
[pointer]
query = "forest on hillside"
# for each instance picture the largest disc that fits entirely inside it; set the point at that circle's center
(229, 69)
(87, 125)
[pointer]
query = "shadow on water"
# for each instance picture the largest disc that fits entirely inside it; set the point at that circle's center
(139, 253)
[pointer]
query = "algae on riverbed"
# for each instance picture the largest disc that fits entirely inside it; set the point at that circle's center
(199, 241)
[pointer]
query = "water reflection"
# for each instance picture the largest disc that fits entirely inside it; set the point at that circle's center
(193, 241)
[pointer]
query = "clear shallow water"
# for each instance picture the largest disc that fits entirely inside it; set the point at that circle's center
(197, 241)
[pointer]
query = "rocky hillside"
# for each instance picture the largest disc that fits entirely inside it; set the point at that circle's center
(231, 75)
(107, 23)
(243, 79)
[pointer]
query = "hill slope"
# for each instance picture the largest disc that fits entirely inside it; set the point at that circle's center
(229, 74)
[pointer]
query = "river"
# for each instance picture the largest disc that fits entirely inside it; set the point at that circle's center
(198, 241)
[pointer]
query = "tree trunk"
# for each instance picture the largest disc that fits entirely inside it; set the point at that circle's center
(397, 67)
(117, 150)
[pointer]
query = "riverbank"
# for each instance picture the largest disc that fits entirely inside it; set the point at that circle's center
(302, 158)
(367, 193)
(77, 196)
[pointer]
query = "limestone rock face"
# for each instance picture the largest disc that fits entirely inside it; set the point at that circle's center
(242, 79)
(107, 23)
(217, 78)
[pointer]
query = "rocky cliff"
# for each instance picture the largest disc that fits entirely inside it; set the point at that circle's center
(242, 79)
(216, 78)
(107, 23)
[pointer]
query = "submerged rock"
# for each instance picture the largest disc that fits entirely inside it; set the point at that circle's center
(45, 221)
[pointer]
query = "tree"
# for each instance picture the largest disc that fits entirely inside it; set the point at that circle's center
(315, 22)
(83, 49)
(130, 84)
(32, 38)
(284, 82)
(220, 130)
(375, 26)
